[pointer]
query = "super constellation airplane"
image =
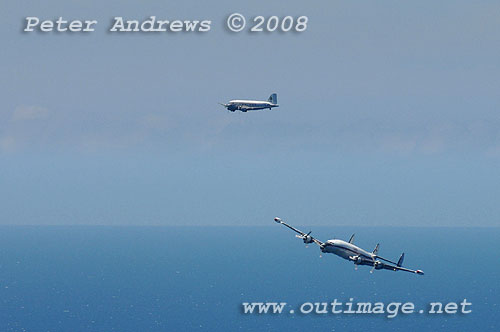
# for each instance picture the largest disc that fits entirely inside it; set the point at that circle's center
(252, 105)
(349, 251)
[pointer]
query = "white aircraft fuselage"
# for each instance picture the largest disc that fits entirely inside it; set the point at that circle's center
(252, 105)
(346, 250)
(249, 105)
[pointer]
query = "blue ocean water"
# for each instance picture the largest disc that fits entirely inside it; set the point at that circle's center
(100, 278)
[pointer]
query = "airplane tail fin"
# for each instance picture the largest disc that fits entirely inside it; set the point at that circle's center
(400, 261)
(351, 240)
(273, 99)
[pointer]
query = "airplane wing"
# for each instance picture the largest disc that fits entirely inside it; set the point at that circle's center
(318, 242)
(400, 268)
(385, 259)
(380, 265)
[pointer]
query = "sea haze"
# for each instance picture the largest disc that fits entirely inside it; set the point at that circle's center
(103, 278)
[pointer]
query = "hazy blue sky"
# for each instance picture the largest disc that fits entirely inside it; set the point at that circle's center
(390, 115)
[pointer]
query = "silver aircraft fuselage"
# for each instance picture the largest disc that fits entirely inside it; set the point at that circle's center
(244, 105)
(346, 250)
(249, 105)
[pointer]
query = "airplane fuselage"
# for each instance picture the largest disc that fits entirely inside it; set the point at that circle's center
(346, 250)
(249, 105)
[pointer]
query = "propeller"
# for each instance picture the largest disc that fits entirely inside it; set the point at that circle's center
(306, 238)
(376, 266)
(322, 249)
(226, 106)
(357, 260)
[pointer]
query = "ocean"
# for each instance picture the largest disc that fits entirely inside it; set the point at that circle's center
(128, 278)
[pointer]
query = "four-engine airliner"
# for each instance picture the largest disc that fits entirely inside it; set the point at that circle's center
(252, 105)
(351, 252)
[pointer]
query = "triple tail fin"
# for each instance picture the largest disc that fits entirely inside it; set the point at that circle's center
(351, 240)
(400, 261)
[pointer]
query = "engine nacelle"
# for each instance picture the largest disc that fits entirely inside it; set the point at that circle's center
(307, 239)
(356, 259)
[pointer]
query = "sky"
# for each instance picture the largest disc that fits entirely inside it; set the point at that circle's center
(389, 115)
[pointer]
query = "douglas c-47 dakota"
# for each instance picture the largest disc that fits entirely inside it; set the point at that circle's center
(252, 105)
(353, 253)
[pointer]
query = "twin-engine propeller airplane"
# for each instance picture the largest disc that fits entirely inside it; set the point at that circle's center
(349, 251)
(252, 105)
